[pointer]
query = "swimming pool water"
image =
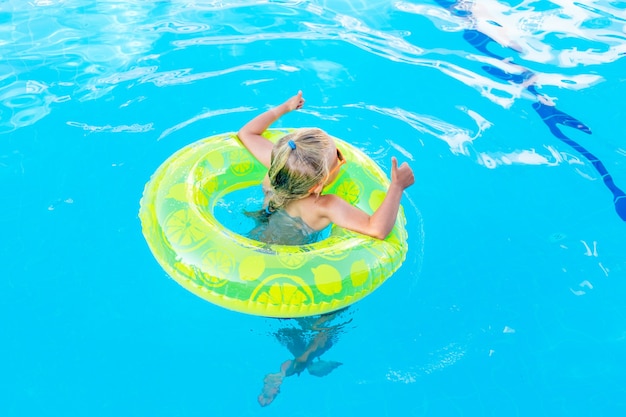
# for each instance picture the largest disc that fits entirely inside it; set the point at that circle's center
(511, 300)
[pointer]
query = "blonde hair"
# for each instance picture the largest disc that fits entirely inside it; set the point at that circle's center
(299, 162)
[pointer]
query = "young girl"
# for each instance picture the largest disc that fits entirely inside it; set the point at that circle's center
(300, 165)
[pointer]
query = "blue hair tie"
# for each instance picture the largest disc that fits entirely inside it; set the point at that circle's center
(292, 144)
(267, 209)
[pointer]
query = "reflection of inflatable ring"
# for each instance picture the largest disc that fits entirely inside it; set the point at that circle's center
(252, 277)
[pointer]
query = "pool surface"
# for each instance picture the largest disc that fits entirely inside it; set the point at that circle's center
(511, 301)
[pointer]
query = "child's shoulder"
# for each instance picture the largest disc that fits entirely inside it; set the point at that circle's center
(327, 204)
(330, 200)
(314, 210)
(314, 203)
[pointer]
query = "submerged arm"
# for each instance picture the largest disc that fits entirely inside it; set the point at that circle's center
(250, 133)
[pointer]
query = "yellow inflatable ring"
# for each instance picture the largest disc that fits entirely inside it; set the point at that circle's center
(241, 274)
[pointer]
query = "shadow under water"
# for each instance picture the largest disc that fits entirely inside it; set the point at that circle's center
(307, 339)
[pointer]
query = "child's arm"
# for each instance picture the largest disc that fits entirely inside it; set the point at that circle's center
(380, 223)
(250, 134)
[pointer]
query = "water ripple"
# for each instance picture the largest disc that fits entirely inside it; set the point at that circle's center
(23, 103)
(204, 115)
(184, 76)
(569, 35)
(457, 138)
(134, 128)
(461, 141)
(84, 50)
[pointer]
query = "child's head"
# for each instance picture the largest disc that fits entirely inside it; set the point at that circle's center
(300, 162)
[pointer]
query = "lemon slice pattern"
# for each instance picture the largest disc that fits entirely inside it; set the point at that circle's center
(216, 264)
(242, 162)
(182, 230)
(240, 274)
(292, 257)
(349, 190)
(282, 290)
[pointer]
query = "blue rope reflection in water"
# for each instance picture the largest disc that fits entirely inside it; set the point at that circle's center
(550, 115)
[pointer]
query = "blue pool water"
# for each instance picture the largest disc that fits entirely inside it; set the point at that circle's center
(511, 300)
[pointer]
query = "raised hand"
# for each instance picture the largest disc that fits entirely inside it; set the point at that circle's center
(294, 103)
(401, 176)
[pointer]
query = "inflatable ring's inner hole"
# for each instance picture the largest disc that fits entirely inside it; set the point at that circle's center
(235, 210)
(227, 190)
(239, 210)
(236, 203)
